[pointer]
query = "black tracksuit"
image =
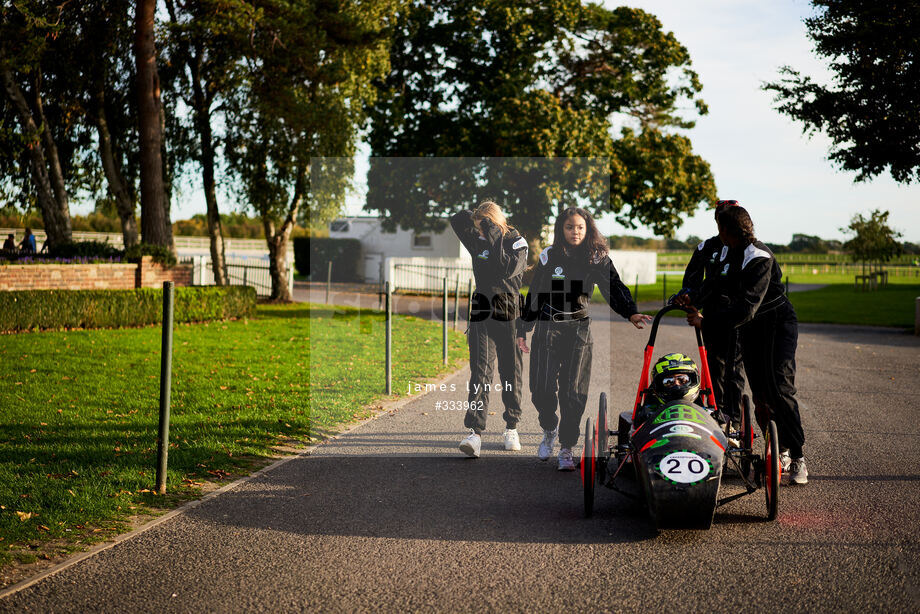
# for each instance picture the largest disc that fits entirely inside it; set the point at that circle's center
(753, 300)
(723, 344)
(557, 304)
(498, 266)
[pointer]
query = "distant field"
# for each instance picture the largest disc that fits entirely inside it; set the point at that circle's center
(840, 304)
(674, 258)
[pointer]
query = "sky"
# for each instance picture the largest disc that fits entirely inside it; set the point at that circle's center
(757, 156)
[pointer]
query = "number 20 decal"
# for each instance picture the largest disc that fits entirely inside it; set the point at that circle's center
(684, 467)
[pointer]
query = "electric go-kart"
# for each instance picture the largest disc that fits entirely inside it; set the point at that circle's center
(677, 451)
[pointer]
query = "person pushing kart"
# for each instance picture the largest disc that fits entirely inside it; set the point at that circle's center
(499, 259)
(557, 305)
(753, 300)
(723, 349)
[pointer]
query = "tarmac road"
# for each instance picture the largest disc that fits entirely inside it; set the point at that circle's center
(390, 517)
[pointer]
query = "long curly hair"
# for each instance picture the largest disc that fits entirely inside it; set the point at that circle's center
(594, 244)
(737, 223)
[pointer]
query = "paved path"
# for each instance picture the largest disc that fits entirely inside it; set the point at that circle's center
(390, 517)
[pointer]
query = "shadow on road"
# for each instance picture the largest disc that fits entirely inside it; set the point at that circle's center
(510, 500)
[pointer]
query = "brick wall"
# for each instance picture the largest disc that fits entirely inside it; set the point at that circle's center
(151, 274)
(147, 274)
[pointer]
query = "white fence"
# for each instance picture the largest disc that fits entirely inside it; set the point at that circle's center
(241, 270)
(426, 275)
(184, 245)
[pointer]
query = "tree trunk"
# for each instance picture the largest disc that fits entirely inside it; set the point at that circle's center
(55, 212)
(55, 174)
(154, 219)
(277, 240)
(124, 199)
(203, 125)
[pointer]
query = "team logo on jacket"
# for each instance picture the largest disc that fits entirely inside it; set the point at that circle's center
(485, 254)
(557, 274)
(725, 269)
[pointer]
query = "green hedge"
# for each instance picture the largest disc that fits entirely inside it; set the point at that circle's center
(44, 309)
(312, 256)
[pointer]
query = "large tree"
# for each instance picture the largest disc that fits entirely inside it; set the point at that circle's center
(155, 226)
(871, 110)
(206, 46)
(27, 35)
(308, 67)
(99, 33)
(551, 104)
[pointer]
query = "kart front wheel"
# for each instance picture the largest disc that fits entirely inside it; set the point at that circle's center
(772, 470)
(588, 468)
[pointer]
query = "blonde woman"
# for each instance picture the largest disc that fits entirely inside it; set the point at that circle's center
(499, 258)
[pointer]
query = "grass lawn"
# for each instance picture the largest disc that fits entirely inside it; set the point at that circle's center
(80, 410)
(840, 304)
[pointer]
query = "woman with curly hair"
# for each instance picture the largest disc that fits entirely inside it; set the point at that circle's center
(557, 304)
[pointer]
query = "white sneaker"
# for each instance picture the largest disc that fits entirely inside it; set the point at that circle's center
(512, 441)
(471, 444)
(798, 472)
(785, 460)
(733, 429)
(546, 446)
(566, 462)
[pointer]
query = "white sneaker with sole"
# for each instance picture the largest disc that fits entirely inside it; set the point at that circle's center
(798, 472)
(471, 444)
(785, 460)
(566, 462)
(546, 446)
(512, 441)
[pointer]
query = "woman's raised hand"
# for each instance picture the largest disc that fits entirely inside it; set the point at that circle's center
(640, 319)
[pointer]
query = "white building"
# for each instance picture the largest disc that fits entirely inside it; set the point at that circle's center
(379, 245)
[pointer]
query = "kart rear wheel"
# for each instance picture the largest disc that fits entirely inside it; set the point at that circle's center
(772, 470)
(588, 468)
(747, 434)
(603, 449)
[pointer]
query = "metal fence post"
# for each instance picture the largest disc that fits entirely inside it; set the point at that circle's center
(328, 281)
(444, 318)
(389, 340)
(165, 384)
(456, 302)
(664, 289)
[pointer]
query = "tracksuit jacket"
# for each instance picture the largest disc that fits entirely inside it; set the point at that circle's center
(752, 299)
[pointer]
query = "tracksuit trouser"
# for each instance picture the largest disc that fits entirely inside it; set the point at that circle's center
(490, 338)
(768, 343)
(560, 372)
(726, 367)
